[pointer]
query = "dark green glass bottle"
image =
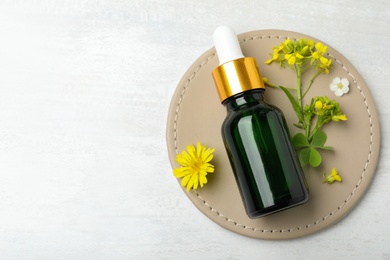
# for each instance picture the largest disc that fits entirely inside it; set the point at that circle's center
(264, 162)
(255, 134)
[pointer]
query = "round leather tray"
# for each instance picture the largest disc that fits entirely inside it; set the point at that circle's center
(196, 114)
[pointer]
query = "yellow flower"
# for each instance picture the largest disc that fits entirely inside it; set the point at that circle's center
(320, 50)
(293, 58)
(287, 46)
(334, 176)
(327, 110)
(323, 105)
(341, 117)
(195, 164)
(318, 105)
(275, 57)
(324, 65)
(267, 83)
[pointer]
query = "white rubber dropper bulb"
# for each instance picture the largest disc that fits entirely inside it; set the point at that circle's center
(226, 44)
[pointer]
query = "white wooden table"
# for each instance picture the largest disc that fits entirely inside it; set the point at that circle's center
(84, 93)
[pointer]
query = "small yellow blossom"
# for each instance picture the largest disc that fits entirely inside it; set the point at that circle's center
(334, 176)
(293, 58)
(324, 65)
(323, 105)
(320, 51)
(341, 117)
(275, 56)
(327, 110)
(287, 46)
(315, 55)
(195, 164)
(267, 83)
(318, 105)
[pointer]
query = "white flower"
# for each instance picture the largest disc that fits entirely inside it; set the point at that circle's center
(339, 86)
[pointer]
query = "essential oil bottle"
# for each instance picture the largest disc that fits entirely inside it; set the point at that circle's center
(255, 134)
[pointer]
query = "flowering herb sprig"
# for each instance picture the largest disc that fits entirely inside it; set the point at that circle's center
(304, 56)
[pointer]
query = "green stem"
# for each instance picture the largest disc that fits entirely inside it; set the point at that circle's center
(315, 129)
(305, 69)
(298, 87)
(307, 131)
(311, 83)
(274, 86)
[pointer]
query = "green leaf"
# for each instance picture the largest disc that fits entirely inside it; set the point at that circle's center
(315, 158)
(319, 139)
(299, 125)
(300, 141)
(310, 156)
(294, 103)
(304, 155)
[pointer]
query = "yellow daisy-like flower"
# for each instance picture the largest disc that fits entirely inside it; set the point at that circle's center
(195, 164)
(334, 176)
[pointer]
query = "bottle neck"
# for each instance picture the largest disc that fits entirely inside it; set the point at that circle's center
(244, 99)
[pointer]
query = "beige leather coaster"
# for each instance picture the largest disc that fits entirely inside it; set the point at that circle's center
(196, 115)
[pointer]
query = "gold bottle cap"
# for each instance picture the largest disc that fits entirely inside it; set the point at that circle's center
(236, 76)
